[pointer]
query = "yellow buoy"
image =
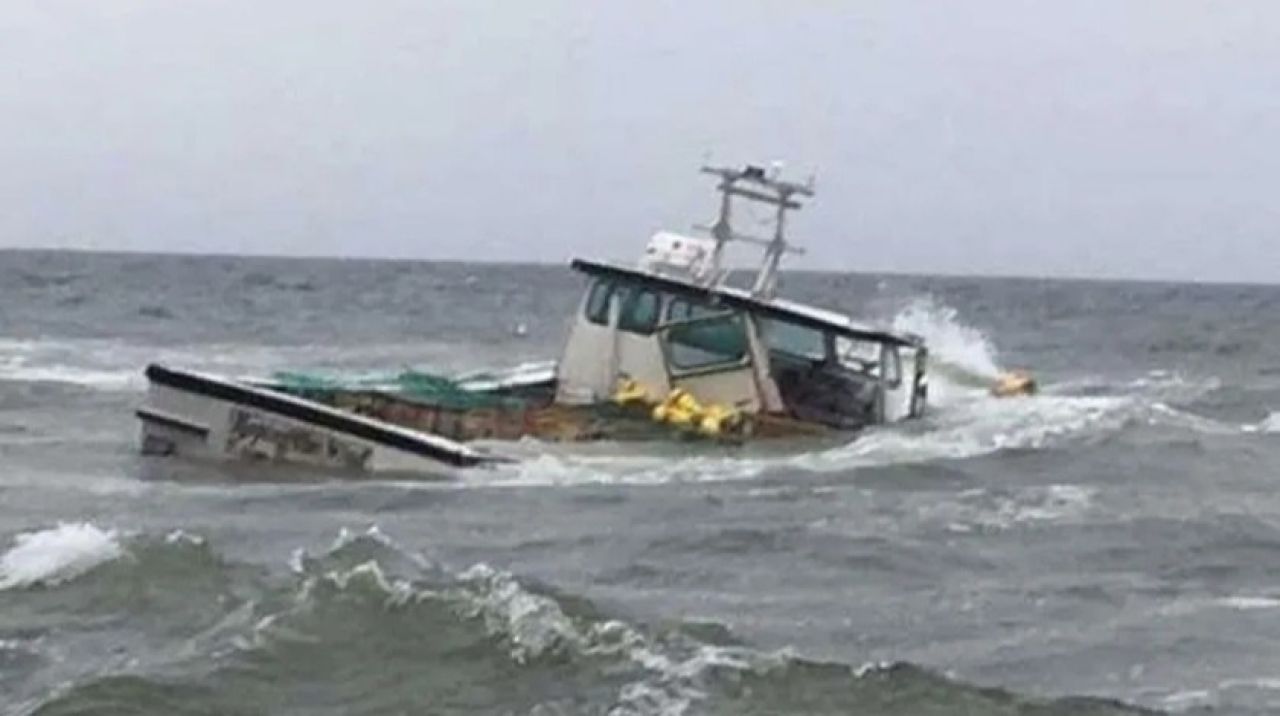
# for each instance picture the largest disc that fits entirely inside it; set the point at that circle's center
(1014, 383)
(681, 410)
(717, 420)
(630, 392)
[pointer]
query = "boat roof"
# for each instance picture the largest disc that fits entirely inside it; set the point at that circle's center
(776, 308)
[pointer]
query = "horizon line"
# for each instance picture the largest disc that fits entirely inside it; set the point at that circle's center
(1066, 278)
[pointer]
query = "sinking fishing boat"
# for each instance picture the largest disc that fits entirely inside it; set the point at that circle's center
(668, 348)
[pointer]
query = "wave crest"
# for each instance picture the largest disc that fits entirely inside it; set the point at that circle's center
(966, 351)
(57, 555)
(371, 625)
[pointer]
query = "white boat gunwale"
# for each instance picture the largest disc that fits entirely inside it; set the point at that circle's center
(375, 431)
(172, 422)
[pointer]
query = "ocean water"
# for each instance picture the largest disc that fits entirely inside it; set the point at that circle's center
(1110, 546)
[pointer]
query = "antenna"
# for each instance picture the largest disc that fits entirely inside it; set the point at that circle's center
(753, 183)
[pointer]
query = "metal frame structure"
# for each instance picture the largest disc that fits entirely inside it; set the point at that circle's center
(753, 183)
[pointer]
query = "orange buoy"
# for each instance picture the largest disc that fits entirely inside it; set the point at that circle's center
(1014, 383)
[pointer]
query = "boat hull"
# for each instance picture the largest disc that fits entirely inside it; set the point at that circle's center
(201, 416)
(367, 432)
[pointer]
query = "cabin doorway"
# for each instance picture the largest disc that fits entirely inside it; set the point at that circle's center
(710, 357)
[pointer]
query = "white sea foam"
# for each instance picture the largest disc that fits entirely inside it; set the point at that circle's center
(368, 572)
(300, 562)
(951, 342)
(560, 467)
(1267, 683)
(57, 554)
(986, 510)
(182, 537)
(27, 368)
(91, 363)
(1183, 700)
(71, 375)
(1268, 425)
(1196, 700)
(1271, 424)
(348, 537)
(113, 365)
(979, 427)
(1247, 602)
(533, 624)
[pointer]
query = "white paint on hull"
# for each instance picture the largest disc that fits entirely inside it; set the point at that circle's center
(206, 417)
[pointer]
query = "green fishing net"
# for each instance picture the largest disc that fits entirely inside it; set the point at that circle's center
(425, 387)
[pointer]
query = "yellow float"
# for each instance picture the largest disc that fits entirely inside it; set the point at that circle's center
(1014, 383)
(680, 409)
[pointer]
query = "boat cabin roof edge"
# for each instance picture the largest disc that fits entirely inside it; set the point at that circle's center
(732, 298)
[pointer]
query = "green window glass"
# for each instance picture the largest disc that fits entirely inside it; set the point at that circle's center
(639, 311)
(793, 339)
(598, 302)
(707, 343)
(682, 309)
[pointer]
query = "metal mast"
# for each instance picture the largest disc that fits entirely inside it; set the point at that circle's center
(753, 184)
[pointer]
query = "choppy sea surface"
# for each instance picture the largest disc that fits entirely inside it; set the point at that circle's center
(1110, 546)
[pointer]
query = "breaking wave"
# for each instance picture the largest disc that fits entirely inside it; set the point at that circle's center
(372, 627)
(57, 554)
(114, 365)
(1268, 425)
(961, 350)
(71, 362)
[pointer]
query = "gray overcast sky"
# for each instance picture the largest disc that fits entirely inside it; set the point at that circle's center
(1087, 137)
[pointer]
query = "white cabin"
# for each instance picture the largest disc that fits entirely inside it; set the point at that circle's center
(672, 322)
(663, 329)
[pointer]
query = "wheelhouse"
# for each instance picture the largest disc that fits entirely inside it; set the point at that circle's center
(731, 347)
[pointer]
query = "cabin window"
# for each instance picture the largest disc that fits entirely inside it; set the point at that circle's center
(682, 309)
(598, 302)
(718, 341)
(793, 339)
(639, 310)
(892, 366)
(878, 360)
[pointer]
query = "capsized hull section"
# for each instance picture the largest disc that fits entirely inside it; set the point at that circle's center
(208, 417)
